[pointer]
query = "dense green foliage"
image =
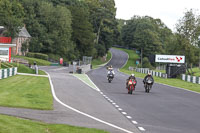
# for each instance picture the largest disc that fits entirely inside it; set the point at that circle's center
(151, 36)
(63, 28)
(11, 16)
(74, 28)
(11, 124)
(146, 34)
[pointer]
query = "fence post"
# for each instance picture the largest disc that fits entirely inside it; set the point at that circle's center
(5, 73)
(194, 79)
(183, 77)
(188, 78)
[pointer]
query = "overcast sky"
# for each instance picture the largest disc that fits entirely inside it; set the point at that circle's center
(169, 11)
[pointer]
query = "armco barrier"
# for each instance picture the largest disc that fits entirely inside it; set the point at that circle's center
(192, 79)
(4, 73)
(146, 70)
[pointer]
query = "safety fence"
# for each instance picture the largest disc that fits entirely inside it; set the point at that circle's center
(153, 73)
(190, 78)
(8, 72)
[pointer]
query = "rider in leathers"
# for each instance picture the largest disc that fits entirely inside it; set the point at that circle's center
(131, 77)
(148, 76)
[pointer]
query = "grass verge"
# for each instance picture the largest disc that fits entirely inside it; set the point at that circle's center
(27, 92)
(17, 125)
(172, 82)
(21, 68)
(39, 62)
(98, 62)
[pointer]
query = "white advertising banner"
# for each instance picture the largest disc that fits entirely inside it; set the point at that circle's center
(170, 58)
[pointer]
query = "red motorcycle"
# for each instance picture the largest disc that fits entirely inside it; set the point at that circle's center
(131, 86)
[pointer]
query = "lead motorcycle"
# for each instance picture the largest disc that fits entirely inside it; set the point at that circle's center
(131, 85)
(110, 76)
(148, 84)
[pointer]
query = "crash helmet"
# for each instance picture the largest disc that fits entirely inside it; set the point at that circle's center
(132, 75)
(149, 74)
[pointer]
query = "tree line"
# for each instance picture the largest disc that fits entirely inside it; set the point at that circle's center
(152, 36)
(63, 28)
(75, 28)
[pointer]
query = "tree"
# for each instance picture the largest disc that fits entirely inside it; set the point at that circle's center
(188, 30)
(50, 27)
(11, 16)
(102, 17)
(146, 34)
(82, 33)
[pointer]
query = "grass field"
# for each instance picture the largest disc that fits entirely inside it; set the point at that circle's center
(97, 62)
(172, 82)
(10, 124)
(27, 92)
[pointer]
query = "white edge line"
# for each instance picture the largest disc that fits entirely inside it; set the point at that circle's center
(92, 82)
(27, 74)
(141, 128)
(97, 89)
(94, 118)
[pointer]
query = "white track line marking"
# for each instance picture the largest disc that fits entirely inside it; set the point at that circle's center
(116, 106)
(124, 113)
(87, 115)
(113, 103)
(134, 122)
(141, 128)
(119, 109)
(92, 82)
(129, 117)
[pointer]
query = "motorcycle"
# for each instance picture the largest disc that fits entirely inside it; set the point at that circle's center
(131, 86)
(110, 77)
(148, 84)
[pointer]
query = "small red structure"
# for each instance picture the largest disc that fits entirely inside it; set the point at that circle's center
(5, 48)
(61, 61)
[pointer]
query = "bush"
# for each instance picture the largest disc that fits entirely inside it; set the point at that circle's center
(146, 63)
(37, 55)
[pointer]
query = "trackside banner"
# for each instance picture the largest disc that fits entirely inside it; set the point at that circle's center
(170, 58)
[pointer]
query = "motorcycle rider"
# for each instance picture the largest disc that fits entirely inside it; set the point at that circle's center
(132, 76)
(148, 76)
(110, 70)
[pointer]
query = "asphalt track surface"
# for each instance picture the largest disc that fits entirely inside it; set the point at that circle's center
(164, 110)
(76, 95)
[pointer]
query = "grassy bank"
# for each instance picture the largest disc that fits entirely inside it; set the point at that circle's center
(21, 68)
(17, 125)
(98, 62)
(26, 91)
(172, 82)
(39, 62)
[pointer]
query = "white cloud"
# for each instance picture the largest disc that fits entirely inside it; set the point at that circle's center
(169, 11)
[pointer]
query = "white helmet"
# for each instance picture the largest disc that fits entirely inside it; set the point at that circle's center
(132, 74)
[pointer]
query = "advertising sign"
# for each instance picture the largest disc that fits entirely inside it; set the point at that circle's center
(170, 58)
